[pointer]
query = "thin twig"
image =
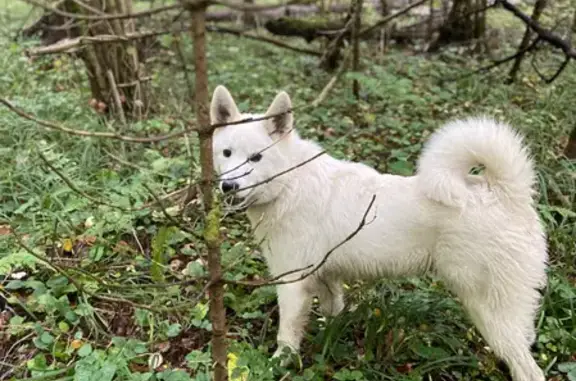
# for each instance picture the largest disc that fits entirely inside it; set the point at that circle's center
(324, 93)
(387, 19)
(273, 41)
(275, 280)
(67, 44)
(78, 286)
(133, 139)
(72, 186)
(168, 216)
(116, 97)
(80, 16)
(495, 64)
(153, 11)
(544, 34)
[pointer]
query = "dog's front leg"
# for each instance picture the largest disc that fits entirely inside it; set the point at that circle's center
(294, 302)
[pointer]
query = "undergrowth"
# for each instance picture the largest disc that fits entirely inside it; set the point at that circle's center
(112, 301)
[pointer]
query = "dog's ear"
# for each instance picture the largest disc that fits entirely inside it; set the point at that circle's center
(223, 109)
(282, 122)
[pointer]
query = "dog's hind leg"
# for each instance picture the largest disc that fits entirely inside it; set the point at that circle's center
(505, 331)
(331, 297)
(503, 312)
(294, 301)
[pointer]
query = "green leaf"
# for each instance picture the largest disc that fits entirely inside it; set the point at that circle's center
(17, 320)
(174, 330)
(47, 338)
(432, 353)
(15, 285)
(85, 350)
(57, 281)
(107, 372)
(63, 326)
(37, 363)
(566, 367)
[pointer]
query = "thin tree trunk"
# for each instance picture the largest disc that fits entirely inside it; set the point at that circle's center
(249, 18)
(536, 13)
(570, 150)
(356, 48)
(212, 209)
(459, 25)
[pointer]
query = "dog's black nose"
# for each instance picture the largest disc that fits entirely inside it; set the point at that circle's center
(228, 186)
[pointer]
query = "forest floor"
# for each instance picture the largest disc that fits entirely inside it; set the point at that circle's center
(85, 300)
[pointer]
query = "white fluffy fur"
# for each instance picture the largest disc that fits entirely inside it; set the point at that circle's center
(480, 234)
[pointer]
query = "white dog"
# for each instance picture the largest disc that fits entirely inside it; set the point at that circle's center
(479, 233)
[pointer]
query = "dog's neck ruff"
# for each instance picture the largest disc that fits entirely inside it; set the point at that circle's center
(264, 217)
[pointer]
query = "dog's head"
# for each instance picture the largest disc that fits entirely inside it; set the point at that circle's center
(248, 155)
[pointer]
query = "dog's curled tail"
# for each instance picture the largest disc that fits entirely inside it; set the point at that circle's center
(452, 151)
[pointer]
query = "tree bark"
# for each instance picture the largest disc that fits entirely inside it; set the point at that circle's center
(212, 210)
(459, 26)
(356, 47)
(570, 150)
(536, 13)
(114, 69)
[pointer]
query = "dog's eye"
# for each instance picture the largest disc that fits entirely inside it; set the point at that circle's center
(256, 157)
(227, 153)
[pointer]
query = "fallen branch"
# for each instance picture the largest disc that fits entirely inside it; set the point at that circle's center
(247, 7)
(68, 44)
(241, 33)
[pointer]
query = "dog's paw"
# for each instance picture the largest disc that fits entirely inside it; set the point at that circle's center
(287, 354)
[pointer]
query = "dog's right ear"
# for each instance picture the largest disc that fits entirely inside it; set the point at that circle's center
(223, 109)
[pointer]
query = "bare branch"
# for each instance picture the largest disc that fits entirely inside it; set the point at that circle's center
(555, 75)
(132, 139)
(276, 280)
(273, 41)
(332, 82)
(387, 19)
(536, 13)
(495, 64)
(73, 281)
(79, 16)
(93, 134)
(174, 222)
(68, 44)
(544, 34)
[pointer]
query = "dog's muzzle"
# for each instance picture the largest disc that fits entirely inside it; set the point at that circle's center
(231, 196)
(229, 186)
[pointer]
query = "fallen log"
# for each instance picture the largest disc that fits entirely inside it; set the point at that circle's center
(312, 29)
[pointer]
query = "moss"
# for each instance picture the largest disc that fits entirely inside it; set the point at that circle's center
(212, 226)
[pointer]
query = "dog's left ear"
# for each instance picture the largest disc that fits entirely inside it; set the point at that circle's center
(283, 120)
(223, 109)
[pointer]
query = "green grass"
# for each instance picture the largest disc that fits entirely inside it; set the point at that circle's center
(399, 330)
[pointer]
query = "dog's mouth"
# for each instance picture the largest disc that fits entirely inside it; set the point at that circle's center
(234, 203)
